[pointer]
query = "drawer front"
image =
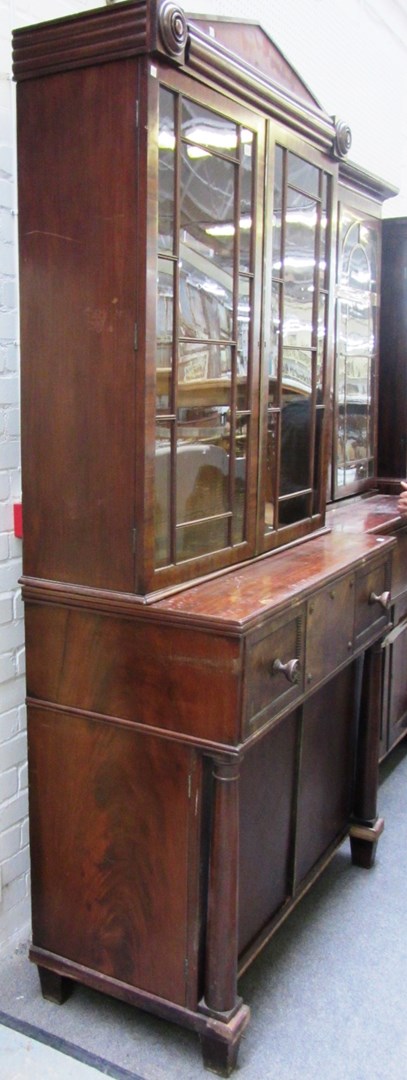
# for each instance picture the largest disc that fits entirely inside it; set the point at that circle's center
(275, 668)
(399, 575)
(330, 615)
(372, 596)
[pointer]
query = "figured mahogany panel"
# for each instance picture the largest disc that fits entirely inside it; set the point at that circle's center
(267, 786)
(78, 274)
(326, 770)
(159, 675)
(109, 842)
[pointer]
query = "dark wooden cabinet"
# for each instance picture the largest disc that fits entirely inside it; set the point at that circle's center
(204, 661)
(393, 339)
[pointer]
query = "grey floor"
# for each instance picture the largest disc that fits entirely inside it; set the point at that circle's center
(327, 995)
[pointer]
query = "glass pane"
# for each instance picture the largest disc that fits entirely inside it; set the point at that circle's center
(206, 306)
(321, 337)
(245, 216)
(273, 420)
(204, 371)
(162, 504)
(243, 326)
(208, 130)
(203, 454)
(303, 175)
(239, 506)
(297, 371)
(275, 333)
(299, 273)
(201, 538)
(207, 204)
(166, 171)
(295, 459)
(165, 309)
(277, 211)
(324, 243)
(319, 422)
(294, 509)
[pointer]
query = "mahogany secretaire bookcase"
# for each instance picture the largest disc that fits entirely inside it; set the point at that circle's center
(203, 651)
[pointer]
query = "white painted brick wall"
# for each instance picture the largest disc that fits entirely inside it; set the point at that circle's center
(353, 55)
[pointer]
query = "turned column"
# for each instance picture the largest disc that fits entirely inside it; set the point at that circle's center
(367, 827)
(221, 935)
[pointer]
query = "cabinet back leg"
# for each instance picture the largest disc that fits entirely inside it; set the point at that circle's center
(55, 987)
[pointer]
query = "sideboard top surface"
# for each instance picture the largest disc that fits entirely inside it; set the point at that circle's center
(263, 587)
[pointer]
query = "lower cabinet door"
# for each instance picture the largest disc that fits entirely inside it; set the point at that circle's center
(325, 791)
(110, 845)
(396, 687)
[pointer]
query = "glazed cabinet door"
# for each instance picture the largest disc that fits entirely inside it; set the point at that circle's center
(111, 844)
(207, 156)
(356, 354)
(296, 339)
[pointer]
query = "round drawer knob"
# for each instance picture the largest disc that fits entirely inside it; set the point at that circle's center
(291, 669)
(384, 599)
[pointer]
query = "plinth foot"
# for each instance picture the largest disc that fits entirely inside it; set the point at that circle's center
(54, 987)
(220, 1042)
(363, 843)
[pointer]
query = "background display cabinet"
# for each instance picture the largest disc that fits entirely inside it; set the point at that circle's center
(393, 341)
(204, 663)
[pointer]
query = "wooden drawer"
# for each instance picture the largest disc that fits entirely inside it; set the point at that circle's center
(372, 596)
(274, 668)
(330, 614)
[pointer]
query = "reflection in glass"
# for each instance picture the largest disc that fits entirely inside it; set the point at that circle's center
(166, 175)
(208, 130)
(202, 480)
(273, 421)
(356, 335)
(162, 507)
(240, 479)
(243, 326)
(303, 175)
(202, 466)
(297, 371)
(298, 336)
(208, 208)
(205, 298)
(275, 330)
(203, 363)
(203, 329)
(321, 339)
(165, 310)
(295, 444)
(245, 213)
